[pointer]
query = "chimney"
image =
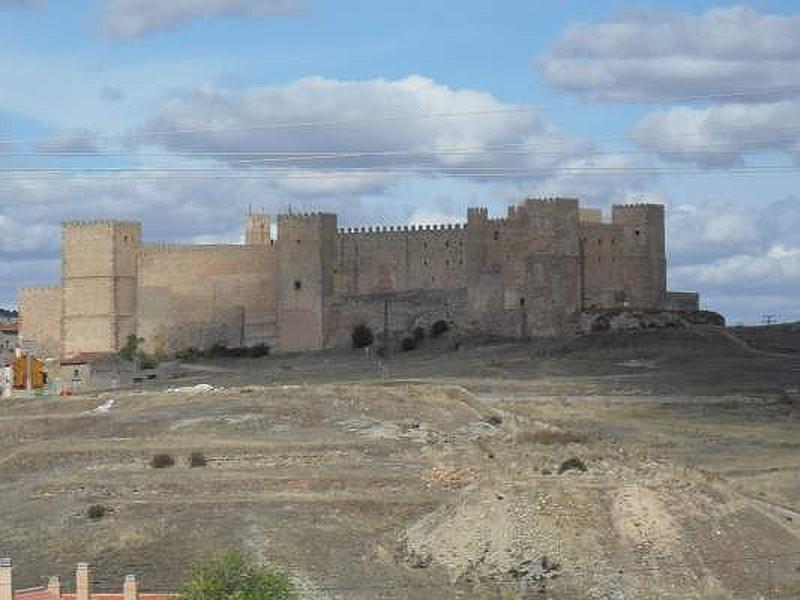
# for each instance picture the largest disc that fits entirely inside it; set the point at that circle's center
(82, 586)
(6, 584)
(54, 588)
(129, 589)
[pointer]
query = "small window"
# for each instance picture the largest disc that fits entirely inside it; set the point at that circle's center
(447, 244)
(496, 235)
(298, 285)
(124, 238)
(425, 245)
(637, 232)
(522, 302)
(599, 241)
(613, 241)
(447, 263)
(298, 241)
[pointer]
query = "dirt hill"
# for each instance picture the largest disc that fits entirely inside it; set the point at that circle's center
(611, 466)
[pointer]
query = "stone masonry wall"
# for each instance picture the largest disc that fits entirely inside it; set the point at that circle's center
(378, 261)
(41, 319)
(99, 282)
(406, 310)
(198, 296)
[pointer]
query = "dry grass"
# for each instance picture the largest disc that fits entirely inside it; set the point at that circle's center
(551, 437)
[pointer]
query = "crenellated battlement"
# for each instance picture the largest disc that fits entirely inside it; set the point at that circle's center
(40, 289)
(403, 229)
(166, 248)
(99, 223)
(550, 200)
(305, 217)
(639, 205)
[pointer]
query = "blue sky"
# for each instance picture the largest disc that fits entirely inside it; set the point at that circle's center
(693, 104)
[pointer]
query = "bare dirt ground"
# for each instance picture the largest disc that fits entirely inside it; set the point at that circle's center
(435, 474)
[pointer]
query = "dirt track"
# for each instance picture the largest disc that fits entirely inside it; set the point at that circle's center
(433, 475)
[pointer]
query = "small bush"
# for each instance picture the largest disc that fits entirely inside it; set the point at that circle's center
(162, 461)
(234, 574)
(96, 512)
(439, 327)
(419, 333)
(408, 344)
(362, 336)
(197, 459)
(572, 464)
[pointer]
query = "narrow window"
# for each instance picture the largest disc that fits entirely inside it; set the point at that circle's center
(298, 285)
(496, 235)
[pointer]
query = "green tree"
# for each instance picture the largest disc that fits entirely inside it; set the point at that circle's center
(234, 575)
(131, 349)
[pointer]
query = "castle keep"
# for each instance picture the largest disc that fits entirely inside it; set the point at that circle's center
(529, 273)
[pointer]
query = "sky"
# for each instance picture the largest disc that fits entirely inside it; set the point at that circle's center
(182, 114)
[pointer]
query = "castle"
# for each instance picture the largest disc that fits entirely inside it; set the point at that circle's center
(529, 273)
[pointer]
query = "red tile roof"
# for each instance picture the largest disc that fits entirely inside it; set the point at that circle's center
(39, 593)
(142, 596)
(86, 357)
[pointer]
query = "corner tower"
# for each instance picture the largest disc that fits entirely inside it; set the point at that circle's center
(99, 283)
(644, 259)
(306, 259)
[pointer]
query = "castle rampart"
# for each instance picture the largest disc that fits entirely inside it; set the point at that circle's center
(528, 273)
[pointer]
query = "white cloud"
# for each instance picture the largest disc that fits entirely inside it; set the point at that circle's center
(645, 55)
(721, 136)
(773, 269)
(128, 19)
(317, 124)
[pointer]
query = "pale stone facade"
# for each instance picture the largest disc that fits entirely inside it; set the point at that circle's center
(530, 273)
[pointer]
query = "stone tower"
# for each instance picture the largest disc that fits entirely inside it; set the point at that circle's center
(99, 285)
(645, 265)
(306, 261)
(523, 271)
(257, 229)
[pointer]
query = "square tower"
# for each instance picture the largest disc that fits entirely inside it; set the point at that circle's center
(306, 259)
(99, 285)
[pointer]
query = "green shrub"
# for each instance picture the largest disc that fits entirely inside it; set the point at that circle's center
(233, 575)
(572, 464)
(162, 461)
(362, 336)
(408, 344)
(96, 512)
(439, 327)
(197, 459)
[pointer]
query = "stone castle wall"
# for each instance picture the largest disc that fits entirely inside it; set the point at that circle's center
(385, 260)
(529, 273)
(198, 296)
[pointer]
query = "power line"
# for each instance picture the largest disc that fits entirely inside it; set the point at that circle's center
(528, 109)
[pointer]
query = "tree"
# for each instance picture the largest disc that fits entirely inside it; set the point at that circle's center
(234, 575)
(362, 336)
(131, 349)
